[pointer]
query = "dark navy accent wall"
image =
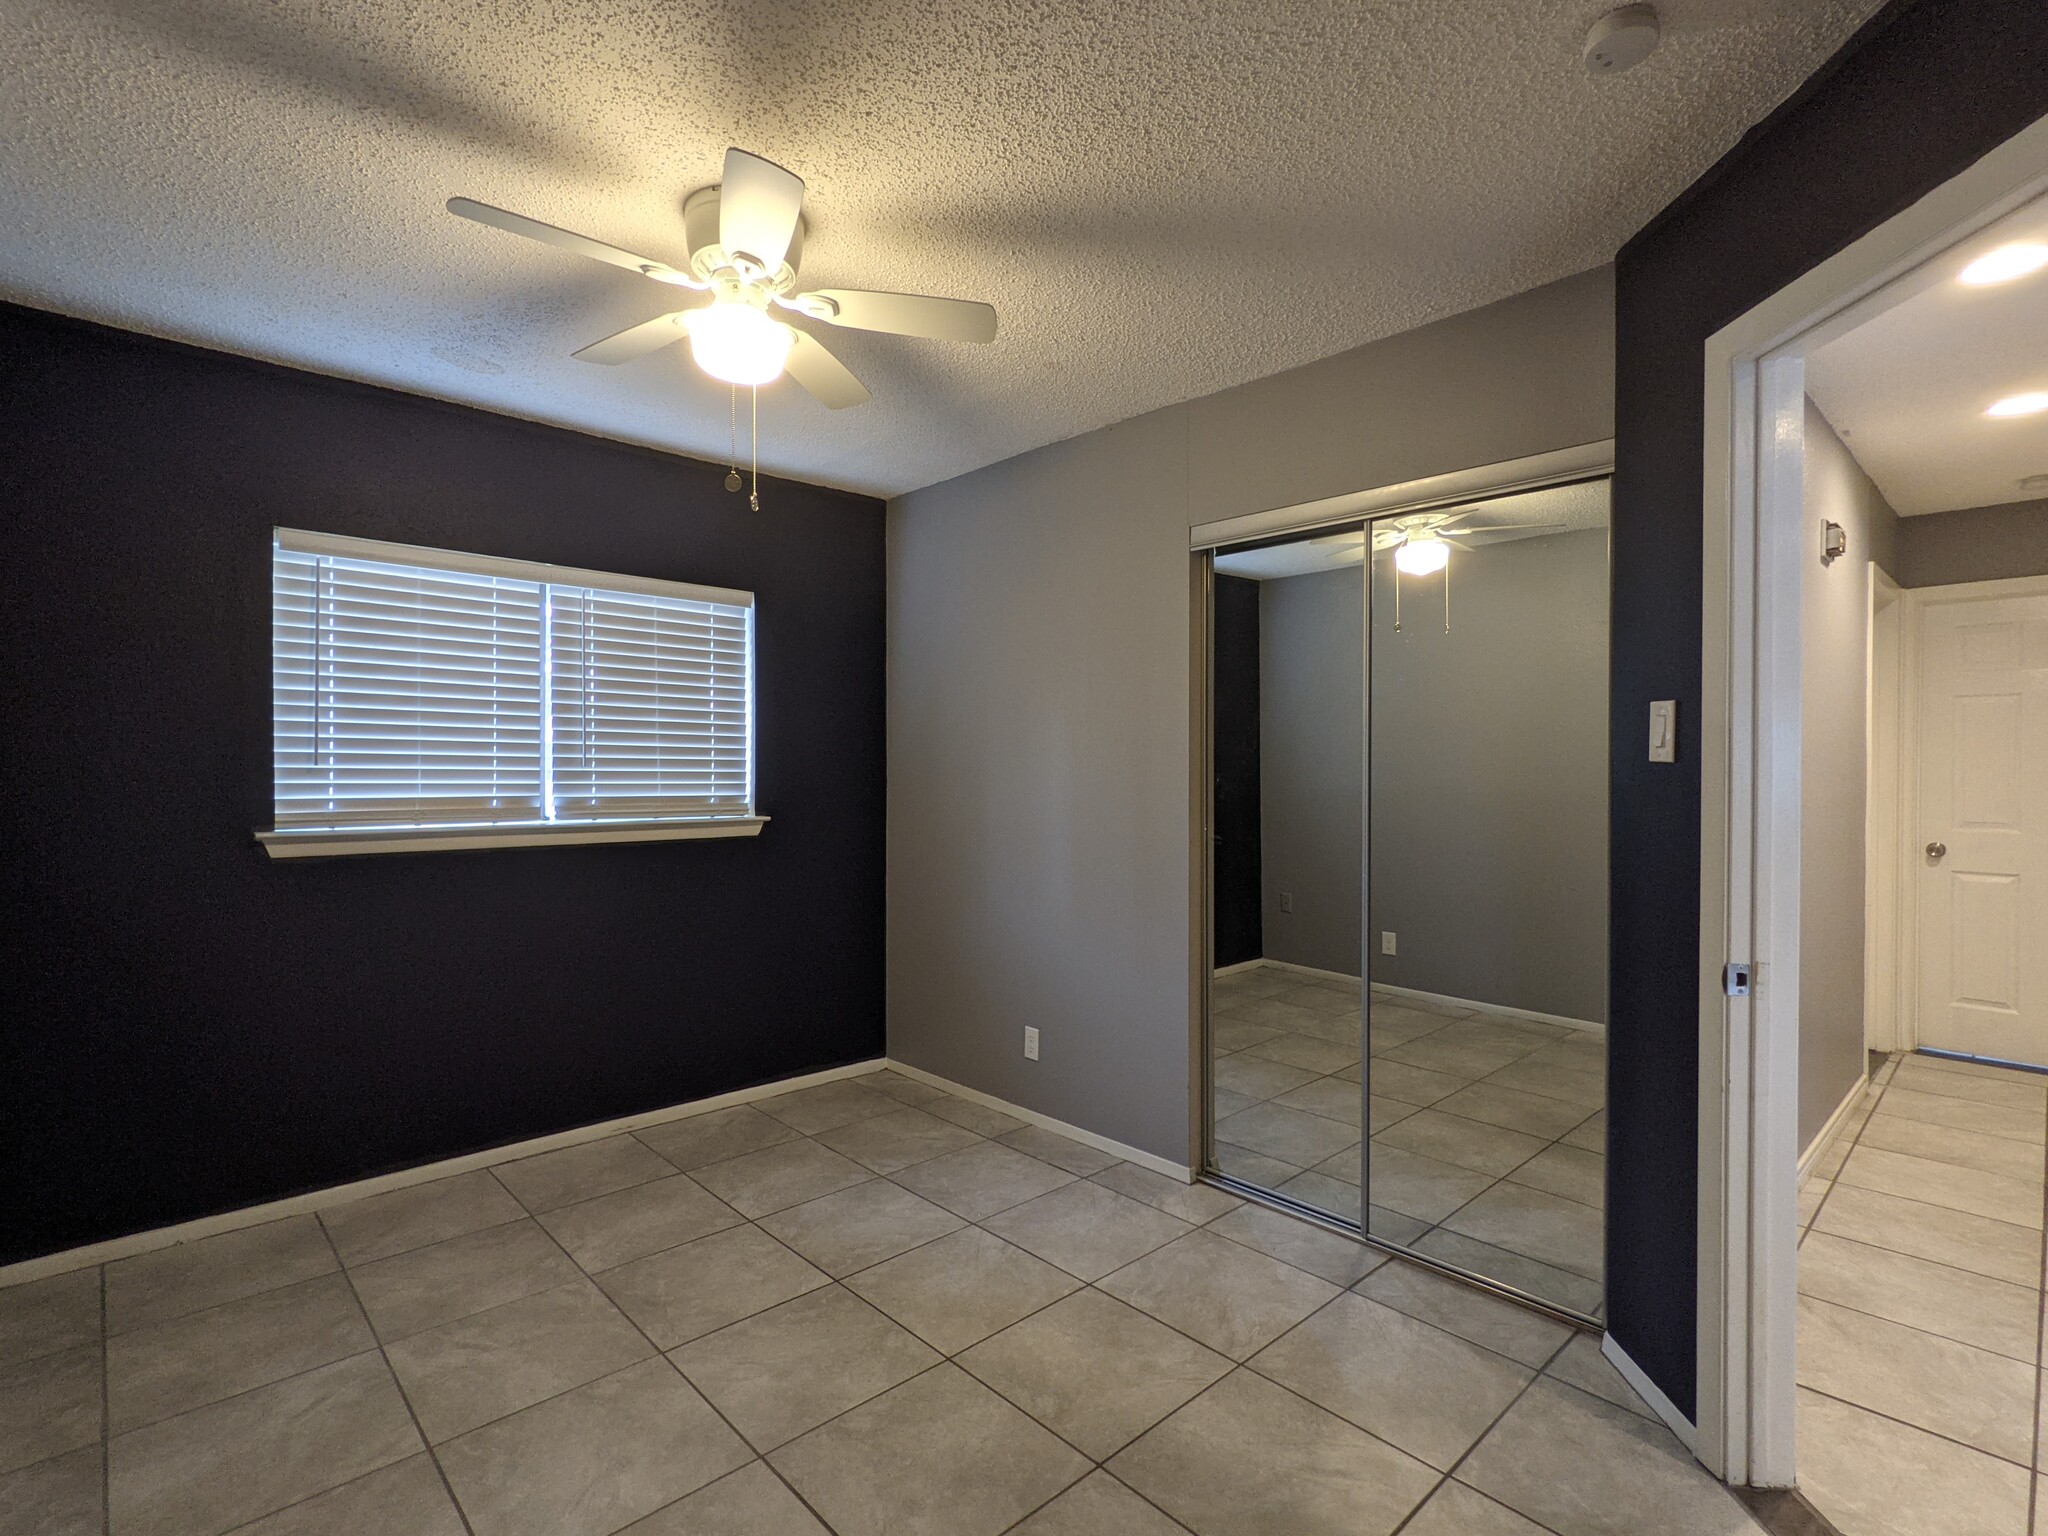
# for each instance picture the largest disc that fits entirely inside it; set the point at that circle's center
(191, 1027)
(1922, 91)
(1238, 901)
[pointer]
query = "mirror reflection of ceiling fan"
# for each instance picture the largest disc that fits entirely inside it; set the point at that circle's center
(746, 237)
(1421, 544)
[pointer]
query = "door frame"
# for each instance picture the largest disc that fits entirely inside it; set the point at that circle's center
(1562, 466)
(1887, 787)
(1753, 456)
(1912, 651)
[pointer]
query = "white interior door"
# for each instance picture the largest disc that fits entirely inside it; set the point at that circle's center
(1983, 828)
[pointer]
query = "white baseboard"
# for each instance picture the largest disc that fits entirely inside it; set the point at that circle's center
(1820, 1143)
(1129, 1154)
(1650, 1393)
(1441, 999)
(1502, 1010)
(1309, 970)
(340, 1194)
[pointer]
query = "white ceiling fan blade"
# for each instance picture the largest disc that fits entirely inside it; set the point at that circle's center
(635, 340)
(568, 240)
(830, 380)
(907, 314)
(758, 206)
(1504, 533)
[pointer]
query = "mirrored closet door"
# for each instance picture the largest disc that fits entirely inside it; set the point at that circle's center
(1409, 831)
(1288, 757)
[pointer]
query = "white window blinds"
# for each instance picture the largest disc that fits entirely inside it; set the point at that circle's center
(650, 704)
(422, 688)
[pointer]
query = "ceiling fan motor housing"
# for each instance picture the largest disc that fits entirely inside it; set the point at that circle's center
(700, 234)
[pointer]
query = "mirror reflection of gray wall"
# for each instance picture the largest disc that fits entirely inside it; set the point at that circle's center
(1311, 740)
(1489, 754)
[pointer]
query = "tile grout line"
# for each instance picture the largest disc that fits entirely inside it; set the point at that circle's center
(404, 1397)
(1450, 1473)
(1921, 1258)
(1946, 1338)
(1080, 1284)
(662, 1355)
(953, 1358)
(1506, 1177)
(1879, 1413)
(1835, 1178)
(944, 1359)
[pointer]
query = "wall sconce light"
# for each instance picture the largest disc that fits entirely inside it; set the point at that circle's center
(1834, 543)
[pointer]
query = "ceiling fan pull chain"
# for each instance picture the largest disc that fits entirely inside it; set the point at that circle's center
(754, 497)
(1397, 596)
(1447, 596)
(732, 439)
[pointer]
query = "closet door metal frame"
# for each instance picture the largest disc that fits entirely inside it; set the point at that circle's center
(1284, 525)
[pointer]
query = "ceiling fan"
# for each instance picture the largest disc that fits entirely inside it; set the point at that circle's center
(745, 237)
(1422, 541)
(1421, 545)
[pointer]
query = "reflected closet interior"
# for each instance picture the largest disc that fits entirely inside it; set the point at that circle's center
(1408, 882)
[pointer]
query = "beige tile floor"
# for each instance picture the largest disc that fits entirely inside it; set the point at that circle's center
(1921, 1306)
(1488, 1137)
(862, 1308)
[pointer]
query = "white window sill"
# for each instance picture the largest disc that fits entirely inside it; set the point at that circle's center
(318, 844)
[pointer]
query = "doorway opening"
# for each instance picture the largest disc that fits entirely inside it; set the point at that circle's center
(1874, 857)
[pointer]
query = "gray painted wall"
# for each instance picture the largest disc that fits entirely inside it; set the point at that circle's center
(1834, 631)
(1980, 544)
(1489, 757)
(1489, 788)
(1039, 643)
(1311, 745)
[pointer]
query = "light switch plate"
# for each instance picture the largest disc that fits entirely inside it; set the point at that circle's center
(1664, 730)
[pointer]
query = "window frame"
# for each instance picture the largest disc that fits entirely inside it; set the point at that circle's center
(293, 842)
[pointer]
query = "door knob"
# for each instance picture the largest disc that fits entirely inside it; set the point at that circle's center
(1937, 851)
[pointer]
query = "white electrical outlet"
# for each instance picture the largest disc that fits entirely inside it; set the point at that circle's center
(1287, 901)
(1030, 1043)
(1386, 943)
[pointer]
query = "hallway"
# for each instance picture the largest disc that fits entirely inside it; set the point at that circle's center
(1921, 1306)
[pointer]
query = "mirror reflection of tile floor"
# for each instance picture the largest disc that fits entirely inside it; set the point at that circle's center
(1920, 1306)
(1488, 1132)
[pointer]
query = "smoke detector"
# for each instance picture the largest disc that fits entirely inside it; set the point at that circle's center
(1621, 39)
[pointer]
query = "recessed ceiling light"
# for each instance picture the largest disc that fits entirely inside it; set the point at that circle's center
(2005, 264)
(2031, 403)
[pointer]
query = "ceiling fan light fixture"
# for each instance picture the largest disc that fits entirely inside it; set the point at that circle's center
(1422, 555)
(736, 343)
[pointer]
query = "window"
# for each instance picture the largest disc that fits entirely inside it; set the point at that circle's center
(428, 699)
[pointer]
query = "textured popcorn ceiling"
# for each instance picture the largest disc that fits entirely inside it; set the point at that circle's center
(1162, 199)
